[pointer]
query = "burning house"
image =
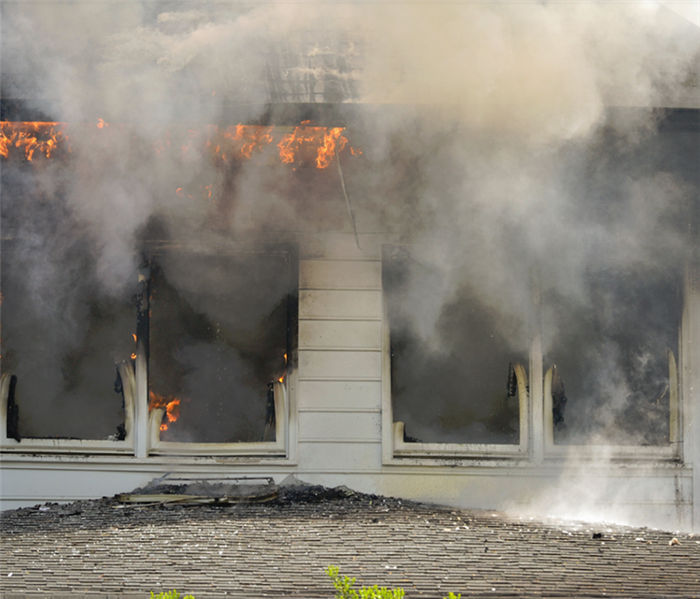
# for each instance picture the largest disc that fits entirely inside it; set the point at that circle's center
(446, 252)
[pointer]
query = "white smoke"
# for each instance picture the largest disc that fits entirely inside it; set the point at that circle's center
(485, 178)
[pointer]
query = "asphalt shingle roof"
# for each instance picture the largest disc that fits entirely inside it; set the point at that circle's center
(105, 548)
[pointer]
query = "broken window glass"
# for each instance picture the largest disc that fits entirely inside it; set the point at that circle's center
(615, 358)
(220, 331)
(61, 348)
(461, 387)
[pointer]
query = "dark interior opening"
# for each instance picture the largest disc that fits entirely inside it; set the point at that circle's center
(465, 391)
(62, 351)
(220, 332)
(612, 358)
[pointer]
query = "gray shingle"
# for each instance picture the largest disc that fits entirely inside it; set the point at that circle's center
(281, 549)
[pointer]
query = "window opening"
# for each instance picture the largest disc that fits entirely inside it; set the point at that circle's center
(470, 389)
(612, 375)
(65, 358)
(220, 344)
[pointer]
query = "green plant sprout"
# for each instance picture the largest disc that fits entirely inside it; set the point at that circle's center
(170, 595)
(343, 586)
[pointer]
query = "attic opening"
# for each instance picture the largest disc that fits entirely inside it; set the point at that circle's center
(220, 342)
(466, 386)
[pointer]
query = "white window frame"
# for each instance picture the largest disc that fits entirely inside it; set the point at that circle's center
(143, 427)
(38, 444)
(277, 447)
(623, 452)
(284, 391)
(536, 418)
(396, 451)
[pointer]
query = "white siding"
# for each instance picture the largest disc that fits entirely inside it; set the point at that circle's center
(336, 411)
(340, 334)
(338, 426)
(340, 304)
(340, 365)
(339, 274)
(336, 395)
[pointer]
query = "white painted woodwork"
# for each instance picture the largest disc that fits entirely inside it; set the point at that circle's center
(340, 274)
(337, 304)
(340, 395)
(340, 425)
(340, 365)
(338, 457)
(340, 334)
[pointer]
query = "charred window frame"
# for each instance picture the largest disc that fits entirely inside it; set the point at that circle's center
(97, 363)
(510, 408)
(276, 394)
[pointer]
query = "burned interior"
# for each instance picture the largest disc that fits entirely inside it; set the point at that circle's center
(465, 390)
(61, 345)
(213, 351)
(220, 333)
(416, 246)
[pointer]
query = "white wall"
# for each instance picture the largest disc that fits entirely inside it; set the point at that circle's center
(339, 417)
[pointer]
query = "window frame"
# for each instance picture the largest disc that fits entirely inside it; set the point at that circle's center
(670, 452)
(536, 418)
(99, 446)
(397, 451)
(284, 392)
(143, 427)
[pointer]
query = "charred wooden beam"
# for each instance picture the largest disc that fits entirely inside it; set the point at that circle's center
(558, 400)
(12, 412)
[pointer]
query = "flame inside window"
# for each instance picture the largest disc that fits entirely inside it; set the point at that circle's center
(170, 404)
(219, 334)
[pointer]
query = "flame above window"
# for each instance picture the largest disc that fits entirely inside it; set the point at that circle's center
(304, 144)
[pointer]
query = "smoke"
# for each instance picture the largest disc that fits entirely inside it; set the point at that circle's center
(496, 156)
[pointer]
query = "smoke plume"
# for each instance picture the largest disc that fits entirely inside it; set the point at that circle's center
(490, 147)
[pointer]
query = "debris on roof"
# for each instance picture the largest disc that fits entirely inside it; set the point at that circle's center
(281, 547)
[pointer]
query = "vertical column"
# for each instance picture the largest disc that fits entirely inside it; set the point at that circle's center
(141, 443)
(691, 379)
(536, 392)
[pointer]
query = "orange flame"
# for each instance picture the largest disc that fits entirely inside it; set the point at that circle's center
(171, 405)
(306, 143)
(331, 140)
(281, 379)
(31, 137)
(293, 143)
(253, 138)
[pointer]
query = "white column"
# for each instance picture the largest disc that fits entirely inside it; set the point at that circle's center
(691, 379)
(536, 392)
